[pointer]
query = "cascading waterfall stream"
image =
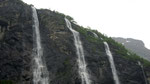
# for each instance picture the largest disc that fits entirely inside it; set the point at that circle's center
(40, 73)
(110, 57)
(80, 53)
(143, 72)
(95, 35)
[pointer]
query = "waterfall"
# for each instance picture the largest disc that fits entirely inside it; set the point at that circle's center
(95, 35)
(80, 53)
(110, 57)
(145, 79)
(40, 73)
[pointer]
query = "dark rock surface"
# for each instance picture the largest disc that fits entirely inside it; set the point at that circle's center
(16, 43)
(59, 50)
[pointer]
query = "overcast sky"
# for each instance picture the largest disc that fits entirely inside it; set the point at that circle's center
(115, 18)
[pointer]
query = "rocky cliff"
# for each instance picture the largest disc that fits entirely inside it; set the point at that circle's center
(16, 47)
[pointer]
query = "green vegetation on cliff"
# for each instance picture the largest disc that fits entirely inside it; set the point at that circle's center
(6, 82)
(117, 47)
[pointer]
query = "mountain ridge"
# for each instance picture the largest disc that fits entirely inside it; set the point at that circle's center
(136, 46)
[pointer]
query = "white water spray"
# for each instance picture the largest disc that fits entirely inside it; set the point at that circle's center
(111, 60)
(40, 73)
(80, 53)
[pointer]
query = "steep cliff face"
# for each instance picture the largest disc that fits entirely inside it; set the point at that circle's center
(16, 43)
(59, 52)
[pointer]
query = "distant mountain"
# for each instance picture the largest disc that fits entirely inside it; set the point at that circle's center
(134, 45)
